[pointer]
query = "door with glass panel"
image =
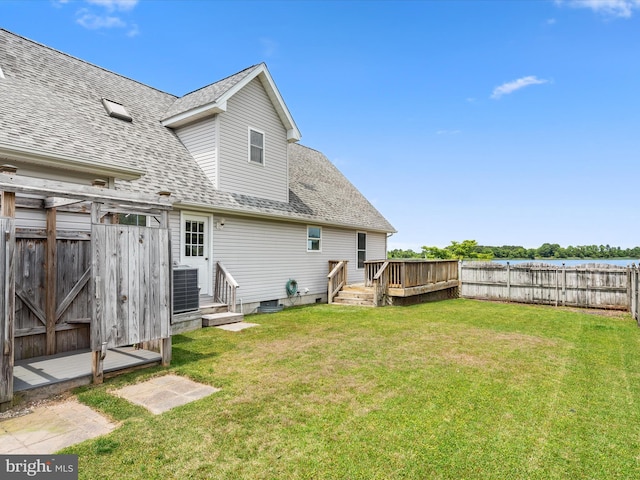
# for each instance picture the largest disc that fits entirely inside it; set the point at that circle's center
(196, 249)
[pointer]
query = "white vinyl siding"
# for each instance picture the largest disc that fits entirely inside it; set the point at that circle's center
(174, 229)
(200, 139)
(69, 221)
(262, 256)
(252, 108)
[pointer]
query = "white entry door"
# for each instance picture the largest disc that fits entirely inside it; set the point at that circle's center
(196, 249)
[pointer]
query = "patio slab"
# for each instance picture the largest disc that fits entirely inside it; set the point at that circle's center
(236, 327)
(48, 428)
(164, 393)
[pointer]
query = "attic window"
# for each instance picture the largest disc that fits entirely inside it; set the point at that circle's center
(256, 146)
(116, 110)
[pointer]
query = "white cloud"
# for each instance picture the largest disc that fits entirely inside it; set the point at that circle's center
(612, 8)
(510, 87)
(112, 5)
(95, 22)
(551, 21)
(100, 15)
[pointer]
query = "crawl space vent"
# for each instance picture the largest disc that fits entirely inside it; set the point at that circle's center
(116, 110)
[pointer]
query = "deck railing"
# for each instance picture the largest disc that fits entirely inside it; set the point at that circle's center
(225, 288)
(409, 276)
(337, 278)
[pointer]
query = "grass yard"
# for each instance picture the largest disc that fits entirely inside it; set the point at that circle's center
(449, 390)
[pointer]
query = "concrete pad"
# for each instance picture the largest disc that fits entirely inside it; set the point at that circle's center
(51, 427)
(164, 393)
(236, 327)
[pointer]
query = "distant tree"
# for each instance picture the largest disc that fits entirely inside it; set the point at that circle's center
(467, 249)
(436, 253)
(398, 253)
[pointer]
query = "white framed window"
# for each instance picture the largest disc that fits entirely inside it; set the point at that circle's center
(361, 248)
(314, 239)
(256, 146)
(194, 234)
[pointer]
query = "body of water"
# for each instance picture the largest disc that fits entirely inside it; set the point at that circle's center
(622, 262)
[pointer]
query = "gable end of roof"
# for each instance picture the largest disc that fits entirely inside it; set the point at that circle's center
(213, 99)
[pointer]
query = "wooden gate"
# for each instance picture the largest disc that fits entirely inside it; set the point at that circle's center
(41, 329)
(7, 243)
(132, 285)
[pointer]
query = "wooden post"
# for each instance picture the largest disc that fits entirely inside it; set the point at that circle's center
(8, 199)
(165, 351)
(7, 209)
(508, 282)
(564, 285)
(97, 364)
(50, 268)
(557, 287)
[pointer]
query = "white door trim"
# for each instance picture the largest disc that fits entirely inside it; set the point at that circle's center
(205, 262)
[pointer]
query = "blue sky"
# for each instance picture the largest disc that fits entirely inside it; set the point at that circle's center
(507, 122)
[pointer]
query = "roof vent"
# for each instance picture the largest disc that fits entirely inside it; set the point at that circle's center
(1, 74)
(116, 110)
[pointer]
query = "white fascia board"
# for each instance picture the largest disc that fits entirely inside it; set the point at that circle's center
(69, 163)
(202, 207)
(204, 111)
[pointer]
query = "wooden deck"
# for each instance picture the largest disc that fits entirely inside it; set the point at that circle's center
(394, 282)
(75, 367)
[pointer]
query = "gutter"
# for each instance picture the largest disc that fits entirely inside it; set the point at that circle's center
(273, 216)
(66, 162)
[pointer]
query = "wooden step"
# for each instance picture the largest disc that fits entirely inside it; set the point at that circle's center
(353, 301)
(353, 295)
(212, 307)
(222, 318)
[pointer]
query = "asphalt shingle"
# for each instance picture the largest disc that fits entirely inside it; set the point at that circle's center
(51, 103)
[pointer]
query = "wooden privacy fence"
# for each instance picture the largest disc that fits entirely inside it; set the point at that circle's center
(585, 286)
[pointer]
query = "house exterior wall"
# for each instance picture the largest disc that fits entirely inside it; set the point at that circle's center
(263, 255)
(174, 229)
(252, 108)
(201, 140)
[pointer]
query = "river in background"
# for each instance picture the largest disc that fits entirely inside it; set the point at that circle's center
(622, 262)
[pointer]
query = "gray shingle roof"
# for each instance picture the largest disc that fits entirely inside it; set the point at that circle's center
(206, 95)
(51, 102)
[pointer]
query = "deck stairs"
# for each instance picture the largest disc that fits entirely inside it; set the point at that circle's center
(356, 294)
(215, 314)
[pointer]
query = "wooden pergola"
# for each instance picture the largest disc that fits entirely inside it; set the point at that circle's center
(105, 286)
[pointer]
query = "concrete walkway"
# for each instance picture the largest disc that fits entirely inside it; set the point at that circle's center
(51, 427)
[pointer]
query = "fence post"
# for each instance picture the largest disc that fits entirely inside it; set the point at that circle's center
(564, 285)
(508, 281)
(557, 289)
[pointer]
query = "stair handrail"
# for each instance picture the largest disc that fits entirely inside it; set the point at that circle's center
(336, 279)
(225, 287)
(380, 283)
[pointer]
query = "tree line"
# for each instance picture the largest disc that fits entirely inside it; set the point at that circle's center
(469, 249)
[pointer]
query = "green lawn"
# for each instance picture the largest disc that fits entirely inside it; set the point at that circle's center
(455, 389)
